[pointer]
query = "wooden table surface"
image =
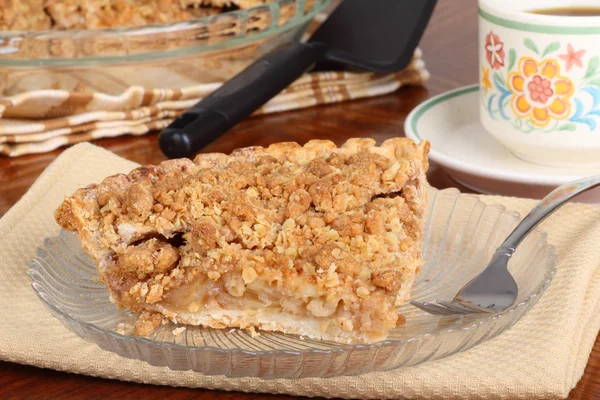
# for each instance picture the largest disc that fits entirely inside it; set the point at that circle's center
(450, 52)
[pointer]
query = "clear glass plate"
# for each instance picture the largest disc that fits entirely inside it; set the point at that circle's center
(462, 234)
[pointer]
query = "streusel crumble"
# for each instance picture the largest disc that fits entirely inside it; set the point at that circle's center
(312, 240)
(25, 15)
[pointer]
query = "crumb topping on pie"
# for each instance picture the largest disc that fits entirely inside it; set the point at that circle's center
(315, 240)
(101, 14)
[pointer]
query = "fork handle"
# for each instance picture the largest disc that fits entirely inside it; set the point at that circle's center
(547, 206)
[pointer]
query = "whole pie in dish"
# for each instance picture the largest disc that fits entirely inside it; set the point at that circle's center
(25, 15)
(313, 240)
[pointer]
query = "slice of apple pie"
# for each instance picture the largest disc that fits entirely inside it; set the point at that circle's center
(312, 240)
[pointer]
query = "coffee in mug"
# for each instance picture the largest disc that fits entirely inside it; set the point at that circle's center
(569, 11)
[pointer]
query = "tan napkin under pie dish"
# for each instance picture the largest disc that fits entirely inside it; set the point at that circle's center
(542, 356)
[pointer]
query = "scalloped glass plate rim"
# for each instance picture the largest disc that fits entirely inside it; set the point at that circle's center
(544, 284)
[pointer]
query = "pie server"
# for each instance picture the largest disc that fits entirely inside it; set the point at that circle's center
(373, 35)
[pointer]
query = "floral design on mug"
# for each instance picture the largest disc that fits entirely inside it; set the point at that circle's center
(540, 93)
(532, 86)
(494, 50)
(572, 57)
(485, 79)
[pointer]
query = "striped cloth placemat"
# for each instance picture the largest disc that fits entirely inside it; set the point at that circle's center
(43, 120)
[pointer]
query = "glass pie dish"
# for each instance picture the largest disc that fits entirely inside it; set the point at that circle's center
(462, 234)
(169, 56)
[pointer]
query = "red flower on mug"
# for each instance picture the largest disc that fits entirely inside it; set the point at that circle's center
(540, 92)
(572, 57)
(494, 50)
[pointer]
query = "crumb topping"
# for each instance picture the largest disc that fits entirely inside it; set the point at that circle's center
(102, 14)
(147, 323)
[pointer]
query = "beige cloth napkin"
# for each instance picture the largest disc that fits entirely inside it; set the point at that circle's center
(42, 120)
(543, 355)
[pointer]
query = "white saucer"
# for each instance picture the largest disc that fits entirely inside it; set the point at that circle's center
(474, 158)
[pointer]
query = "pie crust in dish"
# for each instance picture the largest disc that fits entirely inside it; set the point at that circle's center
(313, 240)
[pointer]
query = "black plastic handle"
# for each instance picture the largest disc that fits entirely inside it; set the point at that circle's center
(238, 98)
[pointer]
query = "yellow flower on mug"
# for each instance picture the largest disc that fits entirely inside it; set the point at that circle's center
(540, 93)
(485, 79)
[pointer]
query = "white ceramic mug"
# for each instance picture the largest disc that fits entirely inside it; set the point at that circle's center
(540, 80)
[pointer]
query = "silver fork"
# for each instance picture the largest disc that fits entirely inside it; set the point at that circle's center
(494, 289)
